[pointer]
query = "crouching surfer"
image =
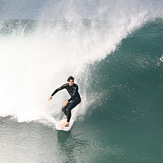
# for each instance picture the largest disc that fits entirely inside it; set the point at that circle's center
(74, 100)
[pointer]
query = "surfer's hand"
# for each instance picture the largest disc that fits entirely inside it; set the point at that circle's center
(65, 103)
(49, 98)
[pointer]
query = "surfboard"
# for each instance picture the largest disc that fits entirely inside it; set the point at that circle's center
(60, 125)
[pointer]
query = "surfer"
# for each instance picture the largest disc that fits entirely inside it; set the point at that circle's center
(74, 100)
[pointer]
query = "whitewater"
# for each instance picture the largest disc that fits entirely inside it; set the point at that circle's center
(113, 49)
(34, 64)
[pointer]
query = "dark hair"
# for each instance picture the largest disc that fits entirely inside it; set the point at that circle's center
(70, 78)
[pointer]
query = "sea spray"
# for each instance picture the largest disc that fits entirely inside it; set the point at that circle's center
(34, 63)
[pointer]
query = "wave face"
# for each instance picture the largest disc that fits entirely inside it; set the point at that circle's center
(129, 115)
(34, 54)
(114, 50)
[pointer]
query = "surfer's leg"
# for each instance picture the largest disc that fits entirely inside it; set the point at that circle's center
(70, 107)
(64, 109)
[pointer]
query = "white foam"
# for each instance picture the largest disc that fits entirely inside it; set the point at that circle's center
(161, 58)
(32, 66)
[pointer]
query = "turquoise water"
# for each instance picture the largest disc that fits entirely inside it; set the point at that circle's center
(130, 114)
(124, 125)
(117, 61)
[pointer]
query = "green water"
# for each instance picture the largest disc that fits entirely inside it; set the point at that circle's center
(124, 125)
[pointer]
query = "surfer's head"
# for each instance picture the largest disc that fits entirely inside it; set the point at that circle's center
(70, 80)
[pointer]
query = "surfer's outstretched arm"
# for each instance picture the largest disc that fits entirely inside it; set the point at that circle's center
(58, 89)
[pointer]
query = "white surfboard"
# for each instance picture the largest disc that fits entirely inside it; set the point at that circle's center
(60, 125)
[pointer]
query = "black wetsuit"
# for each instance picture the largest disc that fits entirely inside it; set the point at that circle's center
(73, 101)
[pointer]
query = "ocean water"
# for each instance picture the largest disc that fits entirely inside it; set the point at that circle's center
(115, 52)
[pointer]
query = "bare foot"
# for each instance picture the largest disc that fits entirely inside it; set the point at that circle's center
(66, 124)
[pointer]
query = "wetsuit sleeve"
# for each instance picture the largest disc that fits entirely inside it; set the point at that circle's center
(74, 94)
(58, 89)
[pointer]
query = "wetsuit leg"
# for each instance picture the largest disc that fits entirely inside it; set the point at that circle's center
(70, 107)
(64, 109)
